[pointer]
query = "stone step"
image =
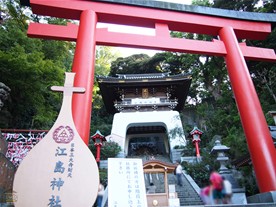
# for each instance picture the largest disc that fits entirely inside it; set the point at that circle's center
(186, 194)
(218, 205)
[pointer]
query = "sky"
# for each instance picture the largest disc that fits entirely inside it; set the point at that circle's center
(125, 52)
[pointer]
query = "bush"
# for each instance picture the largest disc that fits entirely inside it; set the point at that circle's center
(199, 172)
(103, 176)
(109, 149)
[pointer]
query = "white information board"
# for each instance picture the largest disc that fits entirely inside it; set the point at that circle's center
(126, 185)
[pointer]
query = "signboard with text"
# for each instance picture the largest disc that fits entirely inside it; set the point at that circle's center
(60, 171)
(126, 185)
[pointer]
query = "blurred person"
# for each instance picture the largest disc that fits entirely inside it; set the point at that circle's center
(226, 191)
(178, 173)
(206, 195)
(100, 195)
(217, 184)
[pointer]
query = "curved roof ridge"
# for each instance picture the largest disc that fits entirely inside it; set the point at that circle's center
(158, 163)
(144, 76)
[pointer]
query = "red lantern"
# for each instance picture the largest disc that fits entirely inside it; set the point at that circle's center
(98, 139)
(196, 133)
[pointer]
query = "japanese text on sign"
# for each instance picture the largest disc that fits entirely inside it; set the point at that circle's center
(126, 175)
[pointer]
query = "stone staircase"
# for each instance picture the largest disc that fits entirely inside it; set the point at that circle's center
(187, 195)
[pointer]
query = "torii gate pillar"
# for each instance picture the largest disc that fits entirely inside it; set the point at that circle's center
(249, 107)
(84, 67)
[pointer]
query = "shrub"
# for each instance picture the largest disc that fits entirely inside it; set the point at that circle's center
(109, 149)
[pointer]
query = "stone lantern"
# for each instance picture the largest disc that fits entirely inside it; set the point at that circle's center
(220, 150)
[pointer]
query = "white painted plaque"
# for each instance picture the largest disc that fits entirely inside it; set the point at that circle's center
(126, 186)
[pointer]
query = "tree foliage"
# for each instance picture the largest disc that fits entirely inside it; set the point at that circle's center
(29, 67)
(134, 64)
(108, 150)
(101, 119)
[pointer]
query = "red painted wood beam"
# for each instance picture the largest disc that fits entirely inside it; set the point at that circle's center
(53, 32)
(162, 41)
(159, 43)
(148, 17)
(258, 54)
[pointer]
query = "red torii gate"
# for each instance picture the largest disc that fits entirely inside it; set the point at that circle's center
(87, 36)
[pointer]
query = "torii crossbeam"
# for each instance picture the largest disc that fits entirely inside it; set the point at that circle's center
(162, 18)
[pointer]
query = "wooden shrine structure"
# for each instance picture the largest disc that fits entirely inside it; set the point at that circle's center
(229, 26)
(153, 167)
(144, 92)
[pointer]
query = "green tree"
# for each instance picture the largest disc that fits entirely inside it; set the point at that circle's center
(134, 64)
(108, 150)
(101, 119)
(244, 5)
(29, 67)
